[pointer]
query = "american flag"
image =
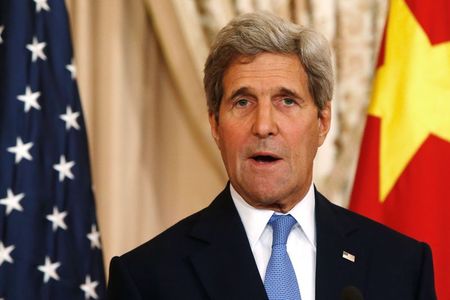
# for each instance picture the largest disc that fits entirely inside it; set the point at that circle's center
(49, 237)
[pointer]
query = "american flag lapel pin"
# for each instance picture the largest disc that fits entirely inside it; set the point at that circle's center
(348, 256)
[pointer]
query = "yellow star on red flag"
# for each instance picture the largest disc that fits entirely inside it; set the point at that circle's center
(411, 94)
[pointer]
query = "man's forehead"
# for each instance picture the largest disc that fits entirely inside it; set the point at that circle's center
(248, 58)
(277, 72)
(264, 63)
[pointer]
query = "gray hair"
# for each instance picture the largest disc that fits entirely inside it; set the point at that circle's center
(254, 33)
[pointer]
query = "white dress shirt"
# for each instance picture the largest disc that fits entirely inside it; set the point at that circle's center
(301, 244)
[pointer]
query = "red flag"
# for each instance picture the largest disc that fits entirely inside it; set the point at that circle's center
(403, 175)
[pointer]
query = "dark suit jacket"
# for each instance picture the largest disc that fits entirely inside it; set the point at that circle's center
(207, 256)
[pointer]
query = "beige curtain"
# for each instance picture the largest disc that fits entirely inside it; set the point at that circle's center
(139, 69)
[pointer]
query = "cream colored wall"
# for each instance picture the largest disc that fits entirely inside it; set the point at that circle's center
(139, 71)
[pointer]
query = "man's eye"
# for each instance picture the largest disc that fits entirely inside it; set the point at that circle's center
(242, 102)
(288, 101)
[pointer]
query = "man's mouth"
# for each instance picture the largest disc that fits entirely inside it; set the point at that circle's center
(265, 158)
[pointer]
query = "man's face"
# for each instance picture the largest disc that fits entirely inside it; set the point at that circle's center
(269, 129)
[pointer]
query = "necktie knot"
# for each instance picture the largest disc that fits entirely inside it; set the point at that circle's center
(281, 225)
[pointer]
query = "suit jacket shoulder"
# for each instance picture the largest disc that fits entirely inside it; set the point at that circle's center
(353, 250)
(205, 256)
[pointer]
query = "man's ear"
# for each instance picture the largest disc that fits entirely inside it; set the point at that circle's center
(213, 123)
(324, 122)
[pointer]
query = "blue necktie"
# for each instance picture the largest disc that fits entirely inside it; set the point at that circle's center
(280, 280)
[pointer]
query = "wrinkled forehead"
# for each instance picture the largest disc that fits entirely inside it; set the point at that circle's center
(267, 76)
(264, 68)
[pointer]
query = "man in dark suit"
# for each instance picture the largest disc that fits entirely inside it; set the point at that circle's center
(270, 234)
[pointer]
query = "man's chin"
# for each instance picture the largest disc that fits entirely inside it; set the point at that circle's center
(269, 193)
(264, 197)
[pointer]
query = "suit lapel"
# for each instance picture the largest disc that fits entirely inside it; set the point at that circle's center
(335, 234)
(225, 265)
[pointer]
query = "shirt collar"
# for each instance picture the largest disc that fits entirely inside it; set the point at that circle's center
(255, 219)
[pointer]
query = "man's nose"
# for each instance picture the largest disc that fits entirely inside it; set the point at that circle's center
(265, 123)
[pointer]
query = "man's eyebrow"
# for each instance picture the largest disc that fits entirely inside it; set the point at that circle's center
(240, 91)
(288, 92)
(282, 91)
